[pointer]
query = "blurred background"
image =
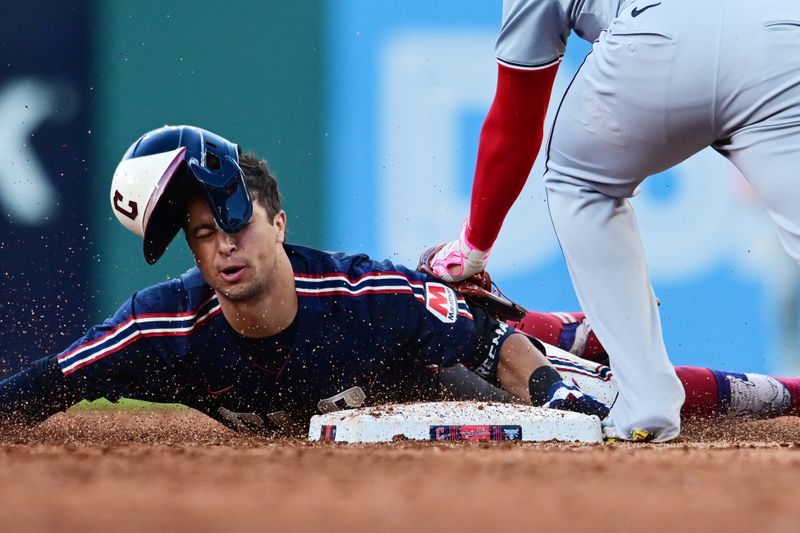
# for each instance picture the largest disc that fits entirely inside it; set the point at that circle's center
(369, 113)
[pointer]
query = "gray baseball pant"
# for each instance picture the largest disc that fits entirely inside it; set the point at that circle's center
(656, 89)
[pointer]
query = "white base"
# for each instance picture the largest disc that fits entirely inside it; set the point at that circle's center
(455, 421)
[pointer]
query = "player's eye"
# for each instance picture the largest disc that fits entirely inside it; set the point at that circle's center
(204, 233)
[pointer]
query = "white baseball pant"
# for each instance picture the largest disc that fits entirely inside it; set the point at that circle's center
(657, 88)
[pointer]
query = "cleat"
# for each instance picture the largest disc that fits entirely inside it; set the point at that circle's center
(610, 434)
(570, 398)
(454, 261)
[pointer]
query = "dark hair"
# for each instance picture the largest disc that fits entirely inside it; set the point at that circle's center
(261, 183)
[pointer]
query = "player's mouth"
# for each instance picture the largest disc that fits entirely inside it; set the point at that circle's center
(233, 273)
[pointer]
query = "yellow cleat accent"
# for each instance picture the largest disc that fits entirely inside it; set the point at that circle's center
(637, 435)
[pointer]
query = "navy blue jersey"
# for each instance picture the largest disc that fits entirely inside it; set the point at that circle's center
(360, 323)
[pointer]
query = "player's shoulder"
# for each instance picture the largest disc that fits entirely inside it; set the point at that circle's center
(312, 260)
(186, 293)
(315, 262)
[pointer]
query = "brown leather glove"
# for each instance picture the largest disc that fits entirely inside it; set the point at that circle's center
(478, 290)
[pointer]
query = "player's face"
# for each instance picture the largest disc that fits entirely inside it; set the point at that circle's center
(239, 266)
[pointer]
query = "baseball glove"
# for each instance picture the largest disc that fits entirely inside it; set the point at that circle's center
(478, 290)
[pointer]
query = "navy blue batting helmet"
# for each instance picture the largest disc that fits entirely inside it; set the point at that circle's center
(152, 183)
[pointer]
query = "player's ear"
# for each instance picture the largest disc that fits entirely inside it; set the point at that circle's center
(280, 224)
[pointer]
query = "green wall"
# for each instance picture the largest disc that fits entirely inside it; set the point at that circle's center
(250, 71)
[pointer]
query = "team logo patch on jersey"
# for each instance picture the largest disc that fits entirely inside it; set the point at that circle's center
(441, 301)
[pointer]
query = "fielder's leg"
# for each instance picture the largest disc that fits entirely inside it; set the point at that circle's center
(640, 104)
(759, 113)
(759, 119)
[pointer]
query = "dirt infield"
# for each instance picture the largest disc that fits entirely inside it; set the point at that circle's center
(179, 471)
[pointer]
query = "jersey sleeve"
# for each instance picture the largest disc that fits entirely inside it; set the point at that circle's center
(127, 355)
(533, 35)
(35, 393)
(430, 321)
(136, 353)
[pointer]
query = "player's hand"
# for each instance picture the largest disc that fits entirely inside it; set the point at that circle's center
(454, 261)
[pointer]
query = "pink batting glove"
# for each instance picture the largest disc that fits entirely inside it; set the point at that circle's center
(454, 261)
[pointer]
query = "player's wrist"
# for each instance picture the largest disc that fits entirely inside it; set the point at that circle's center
(470, 244)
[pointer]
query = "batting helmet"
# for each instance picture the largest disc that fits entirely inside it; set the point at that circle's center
(152, 183)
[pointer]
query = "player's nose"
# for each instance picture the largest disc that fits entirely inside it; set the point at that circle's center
(226, 242)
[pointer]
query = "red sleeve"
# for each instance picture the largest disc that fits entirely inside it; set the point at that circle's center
(510, 140)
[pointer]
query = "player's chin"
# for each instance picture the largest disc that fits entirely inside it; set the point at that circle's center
(237, 292)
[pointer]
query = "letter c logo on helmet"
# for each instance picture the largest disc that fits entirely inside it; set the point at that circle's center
(133, 208)
(160, 169)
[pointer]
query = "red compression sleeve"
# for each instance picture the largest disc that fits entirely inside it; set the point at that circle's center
(510, 140)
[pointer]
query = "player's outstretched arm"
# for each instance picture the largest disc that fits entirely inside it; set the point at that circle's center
(43, 389)
(509, 143)
(112, 360)
(35, 393)
(510, 140)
